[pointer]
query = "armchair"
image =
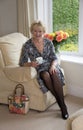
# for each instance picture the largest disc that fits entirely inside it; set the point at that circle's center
(11, 74)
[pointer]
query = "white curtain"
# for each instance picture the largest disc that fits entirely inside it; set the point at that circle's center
(44, 12)
(30, 10)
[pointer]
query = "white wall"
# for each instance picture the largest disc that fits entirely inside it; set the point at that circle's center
(73, 68)
(8, 16)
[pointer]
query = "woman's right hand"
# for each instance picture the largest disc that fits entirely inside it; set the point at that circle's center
(34, 64)
(31, 64)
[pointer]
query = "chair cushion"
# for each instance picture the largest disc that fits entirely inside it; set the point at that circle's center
(77, 123)
(11, 46)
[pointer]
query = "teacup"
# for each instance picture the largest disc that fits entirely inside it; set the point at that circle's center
(39, 60)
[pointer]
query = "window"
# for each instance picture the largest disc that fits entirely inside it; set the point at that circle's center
(66, 18)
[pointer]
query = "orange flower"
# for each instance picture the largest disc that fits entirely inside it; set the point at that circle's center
(58, 37)
(62, 35)
(49, 36)
(65, 35)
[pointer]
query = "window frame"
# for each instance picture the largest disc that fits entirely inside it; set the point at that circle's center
(80, 37)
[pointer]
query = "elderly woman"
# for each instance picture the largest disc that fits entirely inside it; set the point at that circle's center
(42, 56)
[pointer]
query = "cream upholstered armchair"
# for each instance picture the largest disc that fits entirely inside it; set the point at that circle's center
(11, 74)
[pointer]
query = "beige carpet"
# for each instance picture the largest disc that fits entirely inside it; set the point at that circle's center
(48, 120)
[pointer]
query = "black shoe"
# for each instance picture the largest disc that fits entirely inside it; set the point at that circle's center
(65, 114)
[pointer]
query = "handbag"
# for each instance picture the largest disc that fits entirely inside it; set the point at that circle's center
(18, 103)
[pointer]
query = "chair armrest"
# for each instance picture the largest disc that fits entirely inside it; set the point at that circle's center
(20, 74)
(72, 118)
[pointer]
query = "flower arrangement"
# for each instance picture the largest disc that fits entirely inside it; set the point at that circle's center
(58, 38)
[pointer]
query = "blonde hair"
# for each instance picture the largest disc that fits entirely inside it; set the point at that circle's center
(38, 23)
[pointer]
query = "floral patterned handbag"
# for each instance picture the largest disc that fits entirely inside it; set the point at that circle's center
(18, 103)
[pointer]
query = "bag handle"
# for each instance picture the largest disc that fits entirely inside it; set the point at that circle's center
(21, 87)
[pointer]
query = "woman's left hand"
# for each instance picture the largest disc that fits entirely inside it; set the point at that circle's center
(52, 69)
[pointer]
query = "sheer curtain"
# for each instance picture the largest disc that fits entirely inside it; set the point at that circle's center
(30, 10)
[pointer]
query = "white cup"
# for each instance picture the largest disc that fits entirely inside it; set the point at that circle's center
(39, 60)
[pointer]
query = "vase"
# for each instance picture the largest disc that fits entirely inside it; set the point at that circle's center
(58, 57)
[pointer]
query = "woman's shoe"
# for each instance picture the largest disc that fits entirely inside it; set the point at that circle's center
(65, 114)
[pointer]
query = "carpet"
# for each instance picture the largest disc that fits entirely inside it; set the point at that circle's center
(34, 120)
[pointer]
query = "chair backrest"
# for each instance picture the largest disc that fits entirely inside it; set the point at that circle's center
(10, 48)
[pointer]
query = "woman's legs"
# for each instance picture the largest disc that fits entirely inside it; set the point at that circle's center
(59, 94)
(53, 83)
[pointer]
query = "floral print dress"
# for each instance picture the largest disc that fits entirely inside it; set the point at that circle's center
(30, 52)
